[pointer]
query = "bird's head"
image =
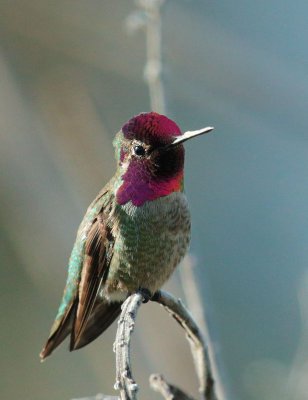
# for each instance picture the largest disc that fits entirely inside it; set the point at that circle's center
(150, 157)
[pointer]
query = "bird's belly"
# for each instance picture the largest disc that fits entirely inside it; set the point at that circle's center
(150, 242)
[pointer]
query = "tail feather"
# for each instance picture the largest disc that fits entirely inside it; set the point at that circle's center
(59, 333)
(102, 316)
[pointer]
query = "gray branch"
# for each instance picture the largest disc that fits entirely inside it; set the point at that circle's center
(167, 390)
(179, 312)
(149, 18)
(124, 379)
(125, 382)
(194, 302)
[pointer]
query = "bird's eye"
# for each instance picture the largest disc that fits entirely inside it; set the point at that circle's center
(139, 151)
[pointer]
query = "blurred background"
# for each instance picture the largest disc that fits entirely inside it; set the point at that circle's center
(70, 77)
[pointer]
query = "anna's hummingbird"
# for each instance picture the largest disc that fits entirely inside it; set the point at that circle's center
(134, 233)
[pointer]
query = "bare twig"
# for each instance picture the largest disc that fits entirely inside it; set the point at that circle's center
(150, 19)
(125, 382)
(194, 302)
(196, 340)
(124, 379)
(167, 390)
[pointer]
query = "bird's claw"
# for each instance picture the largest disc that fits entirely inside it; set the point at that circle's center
(147, 295)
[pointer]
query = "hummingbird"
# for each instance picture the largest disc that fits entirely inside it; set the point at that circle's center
(133, 235)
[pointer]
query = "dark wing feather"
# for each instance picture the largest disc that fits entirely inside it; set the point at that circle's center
(103, 315)
(60, 332)
(94, 273)
(94, 269)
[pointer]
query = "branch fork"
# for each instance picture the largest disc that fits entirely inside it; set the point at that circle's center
(125, 382)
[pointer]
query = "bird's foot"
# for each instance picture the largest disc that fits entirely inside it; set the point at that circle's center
(147, 295)
(156, 296)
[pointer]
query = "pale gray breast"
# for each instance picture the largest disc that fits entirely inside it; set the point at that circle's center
(151, 240)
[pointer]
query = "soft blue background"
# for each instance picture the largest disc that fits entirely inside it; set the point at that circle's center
(70, 77)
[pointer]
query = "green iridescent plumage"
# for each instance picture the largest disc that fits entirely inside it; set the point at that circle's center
(133, 235)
